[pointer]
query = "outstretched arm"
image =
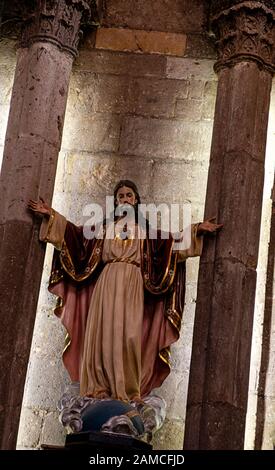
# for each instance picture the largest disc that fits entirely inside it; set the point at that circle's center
(198, 231)
(39, 207)
(53, 225)
(208, 227)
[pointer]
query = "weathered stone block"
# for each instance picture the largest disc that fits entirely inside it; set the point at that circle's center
(45, 383)
(179, 360)
(190, 69)
(91, 132)
(6, 83)
(117, 94)
(174, 392)
(81, 92)
(8, 48)
(115, 63)
(269, 431)
(30, 428)
(1, 155)
(251, 422)
(186, 181)
(99, 93)
(192, 267)
(188, 110)
(201, 46)
(170, 436)
(98, 174)
(270, 386)
(190, 300)
(209, 100)
(198, 211)
(150, 42)
(53, 433)
(50, 332)
(269, 437)
(156, 98)
(196, 89)
(112, 94)
(47, 300)
(164, 138)
(4, 114)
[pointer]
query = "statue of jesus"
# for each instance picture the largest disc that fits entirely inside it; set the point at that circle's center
(121, 300)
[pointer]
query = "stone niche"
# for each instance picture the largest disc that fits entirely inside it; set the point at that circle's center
(142, 115)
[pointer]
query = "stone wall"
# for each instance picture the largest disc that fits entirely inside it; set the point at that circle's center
(269, 397)
(7, 67)
(268, 342)
(268, 370)
(147, 118)
(140, 106)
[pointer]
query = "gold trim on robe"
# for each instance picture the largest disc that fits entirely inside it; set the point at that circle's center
(53, 231)
(68, 265)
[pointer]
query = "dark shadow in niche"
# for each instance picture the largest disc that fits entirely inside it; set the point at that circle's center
(267, 322)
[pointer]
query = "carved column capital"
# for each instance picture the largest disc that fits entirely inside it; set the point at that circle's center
(245, 30)
(56, 21)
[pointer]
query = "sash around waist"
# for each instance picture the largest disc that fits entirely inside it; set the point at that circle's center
(123, 260)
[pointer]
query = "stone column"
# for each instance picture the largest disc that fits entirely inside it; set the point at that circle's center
(219, 375)
(48, 45)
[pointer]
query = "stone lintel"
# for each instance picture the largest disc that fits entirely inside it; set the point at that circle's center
(140, 41)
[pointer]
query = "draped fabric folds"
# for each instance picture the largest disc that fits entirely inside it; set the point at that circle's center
(86, 272)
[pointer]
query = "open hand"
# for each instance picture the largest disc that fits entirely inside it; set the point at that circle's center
(209, 227)
(41, 207)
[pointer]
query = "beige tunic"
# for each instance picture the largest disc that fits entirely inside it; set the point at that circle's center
(111, 361)
(111, 364)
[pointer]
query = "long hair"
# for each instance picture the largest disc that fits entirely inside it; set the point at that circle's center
(128, 184)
